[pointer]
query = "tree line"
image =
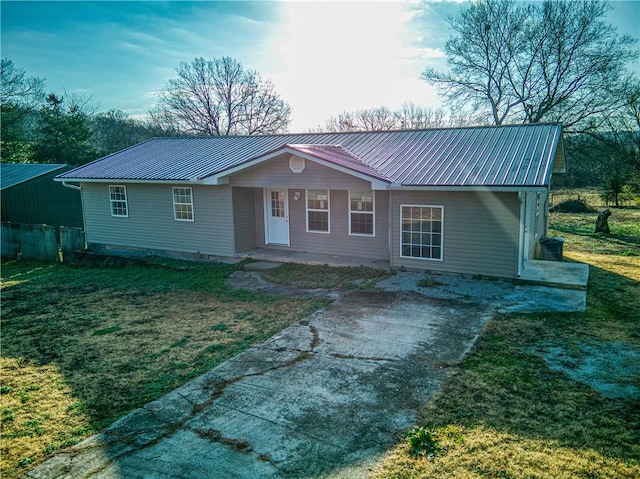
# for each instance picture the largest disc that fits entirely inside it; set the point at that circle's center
(508, 62)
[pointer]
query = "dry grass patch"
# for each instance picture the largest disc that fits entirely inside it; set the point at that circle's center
(83, 345)
(487, 453)
(326, 277)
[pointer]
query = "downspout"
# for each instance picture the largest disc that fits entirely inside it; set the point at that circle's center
(390, 228)
(84, 219)
(521, 233)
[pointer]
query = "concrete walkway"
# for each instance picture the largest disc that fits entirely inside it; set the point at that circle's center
(323, 398)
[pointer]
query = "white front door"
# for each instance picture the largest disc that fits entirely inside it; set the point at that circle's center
(277, 217)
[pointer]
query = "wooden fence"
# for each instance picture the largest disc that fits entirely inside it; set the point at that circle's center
(40, 242)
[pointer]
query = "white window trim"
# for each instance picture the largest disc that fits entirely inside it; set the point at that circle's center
(372, 213)
(173, 197)
(441, 259)
(328, 210)
(125, 201)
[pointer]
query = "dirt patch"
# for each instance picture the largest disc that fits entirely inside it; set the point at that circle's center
(612, 368)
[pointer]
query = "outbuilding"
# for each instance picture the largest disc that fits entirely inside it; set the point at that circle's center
(30, 196)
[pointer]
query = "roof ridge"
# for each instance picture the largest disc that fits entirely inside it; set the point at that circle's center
(359, 132)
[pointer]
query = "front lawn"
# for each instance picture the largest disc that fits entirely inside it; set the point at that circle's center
(553, 395)
(85, 343)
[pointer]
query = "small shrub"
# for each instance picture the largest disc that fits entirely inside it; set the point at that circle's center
(574, 205)
(423, 442)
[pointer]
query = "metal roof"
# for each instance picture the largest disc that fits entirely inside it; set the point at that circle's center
(12, 174)
(514, 155)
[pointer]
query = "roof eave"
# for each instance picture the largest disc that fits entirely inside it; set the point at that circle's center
(128, 180)
(479, 188)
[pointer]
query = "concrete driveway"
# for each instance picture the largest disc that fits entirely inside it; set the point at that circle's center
(323, 398)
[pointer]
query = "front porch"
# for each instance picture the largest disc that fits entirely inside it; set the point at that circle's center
(285, 256)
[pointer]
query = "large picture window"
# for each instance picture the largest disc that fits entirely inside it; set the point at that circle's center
(361, 213)
(318, 211)
(118, 198)
(182, 204)
(421, 232)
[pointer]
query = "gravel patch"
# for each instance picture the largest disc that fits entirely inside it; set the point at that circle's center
(449, 286)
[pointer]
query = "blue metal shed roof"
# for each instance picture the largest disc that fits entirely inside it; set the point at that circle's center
(515, 155)
(12, 174)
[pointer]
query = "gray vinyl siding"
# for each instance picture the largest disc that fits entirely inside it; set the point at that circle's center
(480, 232)
(338, 242)
(276, 173)
(244, 219)
(150, 223)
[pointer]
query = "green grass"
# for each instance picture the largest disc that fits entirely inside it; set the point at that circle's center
(515, 417)
(326, 277)
(85, 343)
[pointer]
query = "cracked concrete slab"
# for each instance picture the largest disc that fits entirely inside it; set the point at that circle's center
(322, 398)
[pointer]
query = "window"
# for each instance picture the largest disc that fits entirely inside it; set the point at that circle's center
(277, 204)
(182, 204)
(421, 232)
(118, 197)
(361, 218)
(318, 211)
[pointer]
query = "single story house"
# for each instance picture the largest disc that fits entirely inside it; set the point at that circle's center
(465, 200)
(30, 196)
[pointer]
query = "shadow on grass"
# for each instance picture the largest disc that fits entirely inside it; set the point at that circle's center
(107, 336)
(628, 240)
(506, 385)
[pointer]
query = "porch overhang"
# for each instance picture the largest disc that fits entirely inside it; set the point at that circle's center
(378, 182)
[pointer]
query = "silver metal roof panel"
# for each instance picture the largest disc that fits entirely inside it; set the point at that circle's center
(516, 155)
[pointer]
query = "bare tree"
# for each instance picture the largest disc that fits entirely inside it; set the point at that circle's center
(489, 36)
(370, 119)
(415, 117)
(219, 97)
(557, 61)
(409, 117)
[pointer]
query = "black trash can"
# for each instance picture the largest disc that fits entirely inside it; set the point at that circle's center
(551, 248)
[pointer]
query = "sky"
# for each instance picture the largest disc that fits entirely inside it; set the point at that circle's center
(323, 57)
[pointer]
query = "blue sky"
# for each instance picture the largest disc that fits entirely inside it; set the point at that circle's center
(323, 57)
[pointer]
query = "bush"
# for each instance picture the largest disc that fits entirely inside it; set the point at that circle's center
(574, 205)
(423, 442)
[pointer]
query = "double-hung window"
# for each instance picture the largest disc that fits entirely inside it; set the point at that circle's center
(361, 213)
(318, 211)
(421, 232)
(118, 199)
(182, 204)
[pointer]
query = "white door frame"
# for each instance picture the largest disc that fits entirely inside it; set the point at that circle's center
(270, 231)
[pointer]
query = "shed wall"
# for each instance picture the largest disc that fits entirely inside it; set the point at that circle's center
(42, 201)
(480, 232)
(150, 224)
